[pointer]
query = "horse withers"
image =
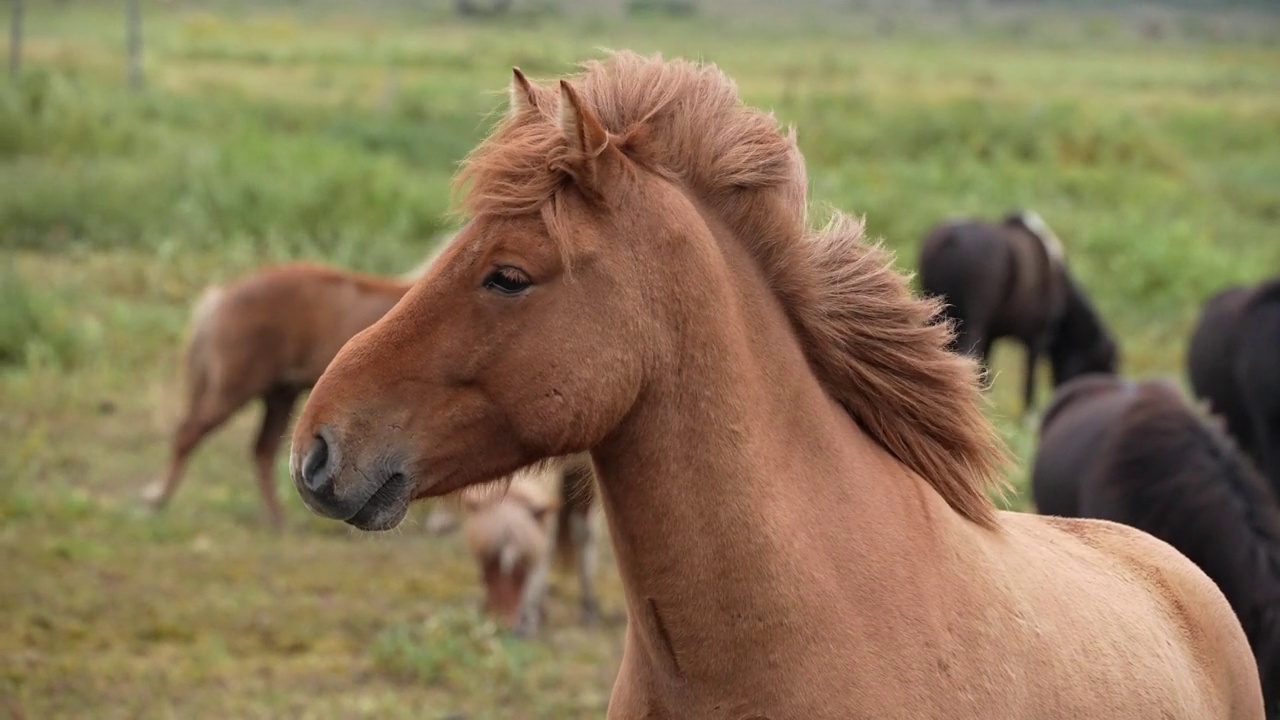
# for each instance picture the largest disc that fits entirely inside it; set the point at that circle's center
(1233, 362)
(269, 335)
(793, 466)
(1010, 279)
(1138, 454)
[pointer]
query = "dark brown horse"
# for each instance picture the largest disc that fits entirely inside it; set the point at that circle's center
(269, 335)
(1233, 361)
(1010, 279)
(1137, 453)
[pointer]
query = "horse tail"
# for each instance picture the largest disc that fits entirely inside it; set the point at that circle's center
(196, 350)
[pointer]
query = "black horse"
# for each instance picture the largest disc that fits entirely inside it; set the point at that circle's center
(1138, 454)
(1233, 361)
(1010, 279)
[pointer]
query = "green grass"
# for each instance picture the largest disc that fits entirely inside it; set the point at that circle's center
(319, 134)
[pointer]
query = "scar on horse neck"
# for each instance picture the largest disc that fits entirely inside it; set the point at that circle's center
(660, 630)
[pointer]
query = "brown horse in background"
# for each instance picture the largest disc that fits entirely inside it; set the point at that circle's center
(1233, 361)
(268, 335)
(1010, 279)
(1137, 454)
(793, 466)
(544, 513)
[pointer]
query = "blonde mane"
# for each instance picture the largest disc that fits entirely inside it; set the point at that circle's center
(879, 350)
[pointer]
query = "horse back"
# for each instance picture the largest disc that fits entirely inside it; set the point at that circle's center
(1037, 297)
(966, 263)
(1072, 429)
(285, 323)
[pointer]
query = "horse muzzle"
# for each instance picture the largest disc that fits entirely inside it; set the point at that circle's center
(372, 499)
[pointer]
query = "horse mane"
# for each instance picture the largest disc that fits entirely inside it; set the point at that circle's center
(879, 350)
(1183, 479)
(1031, 221)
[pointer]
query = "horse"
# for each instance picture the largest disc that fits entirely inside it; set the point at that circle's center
(268, 335)
(1136, 453)
(1010, 279)
(514, 537)
(1073, 425)
(794, 469)
(1233, 362)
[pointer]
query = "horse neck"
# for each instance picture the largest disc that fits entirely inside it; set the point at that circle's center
(744, 503)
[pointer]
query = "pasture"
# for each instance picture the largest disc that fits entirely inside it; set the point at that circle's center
(325, 135)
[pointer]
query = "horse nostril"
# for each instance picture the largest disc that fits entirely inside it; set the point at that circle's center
(316, 474)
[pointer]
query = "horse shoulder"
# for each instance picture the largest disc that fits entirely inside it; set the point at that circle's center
(1191, 602)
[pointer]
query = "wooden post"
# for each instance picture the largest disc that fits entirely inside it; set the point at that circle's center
(133, 42)
(15, 40)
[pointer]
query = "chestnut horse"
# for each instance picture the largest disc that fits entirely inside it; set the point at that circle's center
(514, 538)
(1010, 279)
(1137, 453)
(1233, 361)
(793, 467)
(268, 335)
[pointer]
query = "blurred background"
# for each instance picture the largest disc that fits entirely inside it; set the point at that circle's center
(149, 149)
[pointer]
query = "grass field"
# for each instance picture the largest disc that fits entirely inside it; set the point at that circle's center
(1155, 154)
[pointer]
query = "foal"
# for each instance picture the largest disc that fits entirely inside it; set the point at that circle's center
(268, 335)
(1010, 279)
(1136, 453)
(514, 539)
(637, 282)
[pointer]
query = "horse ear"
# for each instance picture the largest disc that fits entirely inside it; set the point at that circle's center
(523, 96)
(587, 162)
(579, 124)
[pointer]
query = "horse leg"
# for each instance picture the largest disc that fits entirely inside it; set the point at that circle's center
(1034, 348)
(275, 420)
(584, 540)
(200, 421)
(982, 353)
(533, 597)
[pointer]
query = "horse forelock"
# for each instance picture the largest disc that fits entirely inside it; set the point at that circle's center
(879, 350)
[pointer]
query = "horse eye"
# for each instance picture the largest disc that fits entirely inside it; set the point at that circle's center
(508, 281)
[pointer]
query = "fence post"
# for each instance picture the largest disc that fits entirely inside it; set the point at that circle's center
(133, 41)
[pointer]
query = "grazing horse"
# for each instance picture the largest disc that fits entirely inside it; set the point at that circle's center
(1010, 279)
(268, 335)
(1233, 361)
(1137, 454)
(513, 539)
(793, 467)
